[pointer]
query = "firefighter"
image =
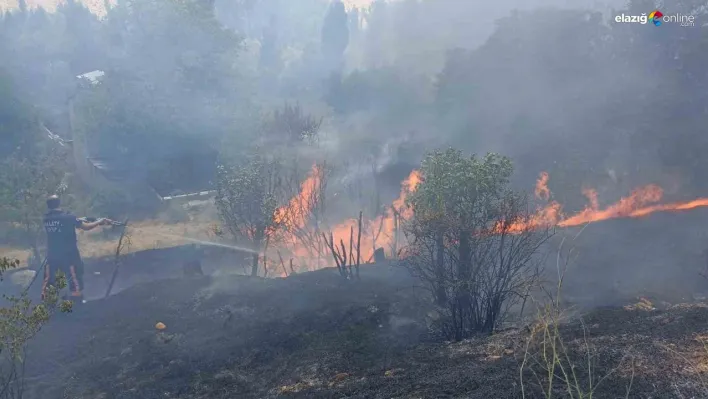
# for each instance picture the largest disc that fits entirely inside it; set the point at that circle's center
(62, 249)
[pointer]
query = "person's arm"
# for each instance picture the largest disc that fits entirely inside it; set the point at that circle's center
(86, 226)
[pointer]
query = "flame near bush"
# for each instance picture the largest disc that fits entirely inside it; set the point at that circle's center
(304, 223)
(299, 226)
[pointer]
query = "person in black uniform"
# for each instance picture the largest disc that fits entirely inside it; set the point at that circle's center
(62, 249)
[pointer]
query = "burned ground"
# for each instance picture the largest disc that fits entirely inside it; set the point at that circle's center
(316, 335)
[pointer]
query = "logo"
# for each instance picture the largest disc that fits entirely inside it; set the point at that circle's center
(655, 17)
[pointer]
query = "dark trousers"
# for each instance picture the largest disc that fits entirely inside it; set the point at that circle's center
(73, 269)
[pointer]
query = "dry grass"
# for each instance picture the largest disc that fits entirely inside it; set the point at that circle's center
(642, 346)
(145, 235)
(559, 367)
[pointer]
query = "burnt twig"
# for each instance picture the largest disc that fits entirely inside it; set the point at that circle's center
(283, 264)
(358, 247)
(341, 263)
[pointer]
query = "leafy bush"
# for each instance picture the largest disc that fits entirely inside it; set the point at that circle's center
(20, 321)
(469, 242)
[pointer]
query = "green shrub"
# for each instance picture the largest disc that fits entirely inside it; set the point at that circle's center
(20, 321)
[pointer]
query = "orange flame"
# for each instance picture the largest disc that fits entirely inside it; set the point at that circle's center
(542, 190)
(637, 204)
(380, 232)
(294, 217)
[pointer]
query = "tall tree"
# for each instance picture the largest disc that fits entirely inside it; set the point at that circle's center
(335, 35)
(31, 166)
(171, 87)
(354, 23)
(270, 54)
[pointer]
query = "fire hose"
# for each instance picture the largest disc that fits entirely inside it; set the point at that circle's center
(93, 219)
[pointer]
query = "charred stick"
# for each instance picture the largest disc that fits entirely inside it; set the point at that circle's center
(283, 264)
(358, 248)
(332, 250)
(351, 244)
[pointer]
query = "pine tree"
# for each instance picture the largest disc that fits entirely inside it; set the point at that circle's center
(335, 35)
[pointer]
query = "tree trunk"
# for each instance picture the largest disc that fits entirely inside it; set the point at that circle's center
(440, 294)
(464, 273)
(464, 269)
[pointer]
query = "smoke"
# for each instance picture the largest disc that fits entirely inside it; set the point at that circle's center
(553, 84)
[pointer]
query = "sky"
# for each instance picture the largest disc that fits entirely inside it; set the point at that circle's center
(97, 5)
(94, 5)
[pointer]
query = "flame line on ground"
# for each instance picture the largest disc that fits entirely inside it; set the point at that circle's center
(635, 205)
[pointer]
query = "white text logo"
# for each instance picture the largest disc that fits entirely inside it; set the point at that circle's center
(657, 18)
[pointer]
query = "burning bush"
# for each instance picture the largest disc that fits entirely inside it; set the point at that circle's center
(265, 196)
(464, 240)
(246, 198)
(303, 216)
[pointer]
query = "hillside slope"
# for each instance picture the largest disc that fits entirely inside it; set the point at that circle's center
(315, 335)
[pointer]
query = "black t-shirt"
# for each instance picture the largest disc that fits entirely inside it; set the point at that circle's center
(61, 234)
